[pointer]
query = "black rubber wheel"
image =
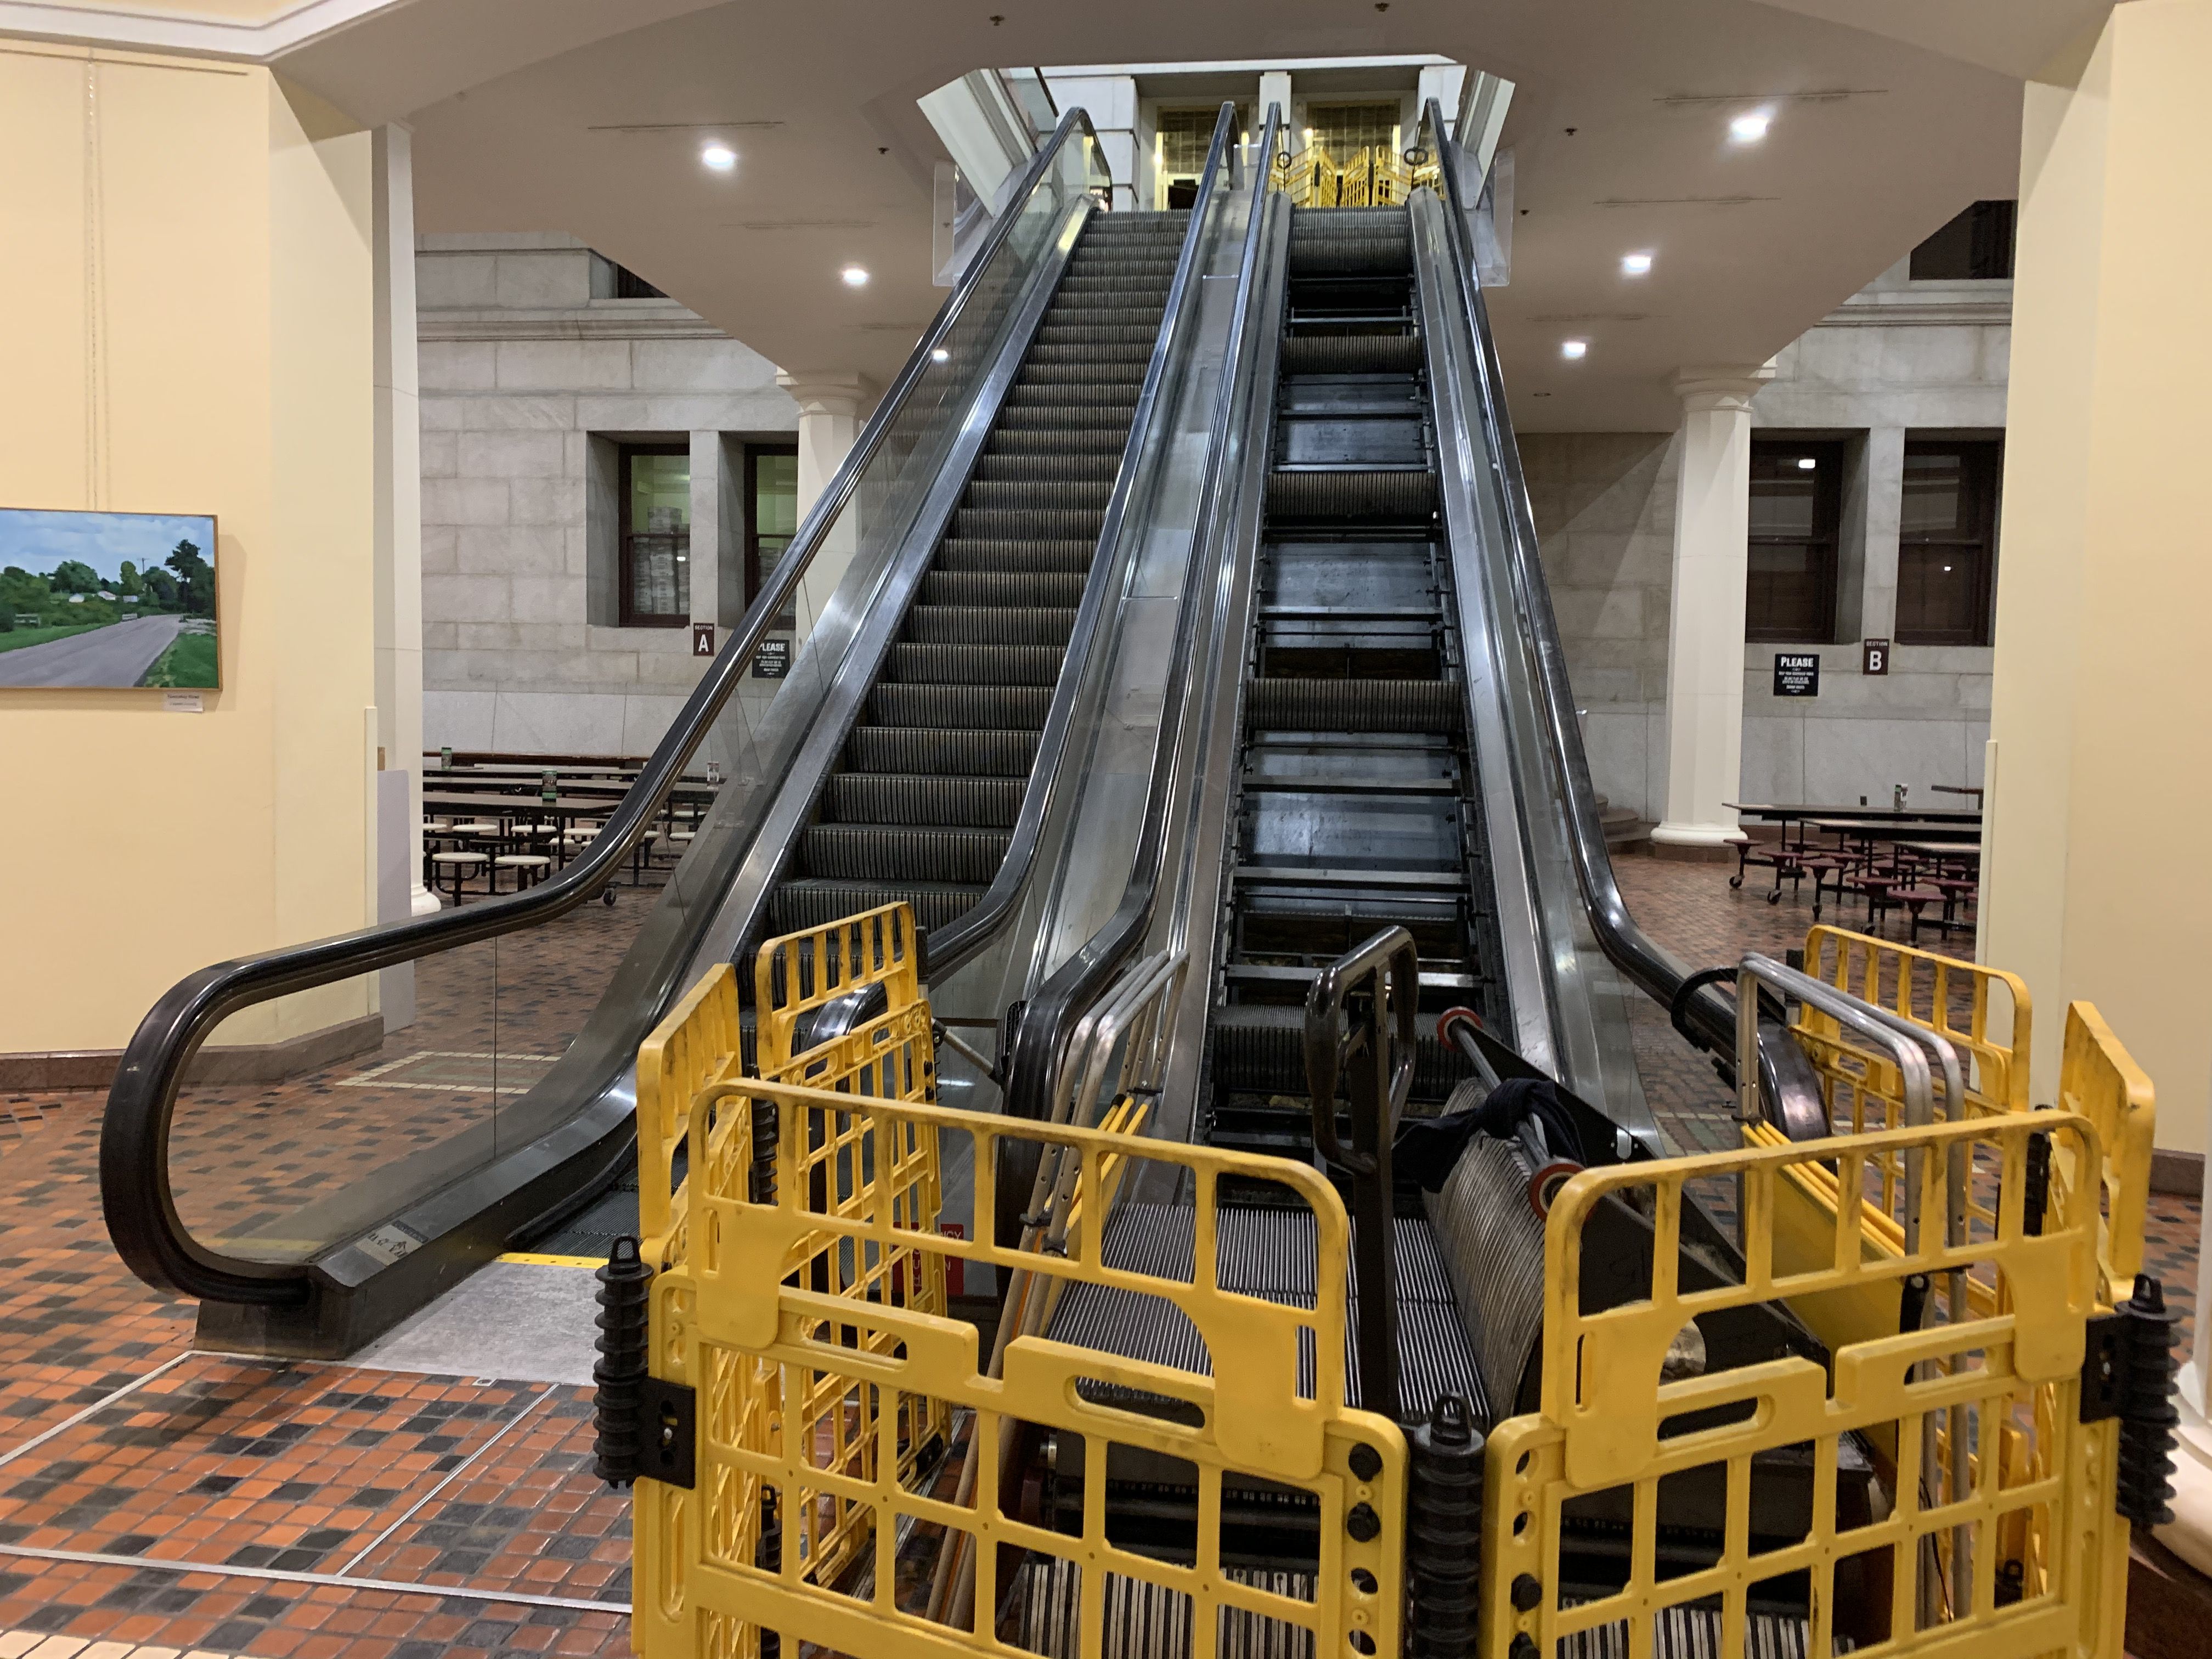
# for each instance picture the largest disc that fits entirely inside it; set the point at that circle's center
(1774, 897)
(607, 898)
(1736, 881)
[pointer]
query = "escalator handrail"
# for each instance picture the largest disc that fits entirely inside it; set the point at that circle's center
(135, 1198)
(946, 948)
(1051, 1015)
(1708, 1014)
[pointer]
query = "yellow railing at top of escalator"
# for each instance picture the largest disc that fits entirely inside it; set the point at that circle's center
(1372, 175)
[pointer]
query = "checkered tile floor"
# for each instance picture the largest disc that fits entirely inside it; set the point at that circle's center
(158, 1503)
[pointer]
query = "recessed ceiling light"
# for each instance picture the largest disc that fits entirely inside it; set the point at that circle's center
(1806, 463)
(1749, 128)
(854, 277)
(719, 156)
(940, 355)
(1572, 349)
(1635, 264)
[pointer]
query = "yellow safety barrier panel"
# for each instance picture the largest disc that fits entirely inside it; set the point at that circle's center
(1966, 1005)
(1961, 1002)
(697, 1048)
(2005, 1555)
(801, 1295)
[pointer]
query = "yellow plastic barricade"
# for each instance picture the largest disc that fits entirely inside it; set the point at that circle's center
(802, 1299)
(2022, 1556)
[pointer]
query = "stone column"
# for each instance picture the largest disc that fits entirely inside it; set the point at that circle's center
(828, 421)
(1704, 628)
(2099, 720)
(1865, 562)
(398, 485)
(715, 537)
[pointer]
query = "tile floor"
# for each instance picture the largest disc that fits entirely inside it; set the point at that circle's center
(156, 1502)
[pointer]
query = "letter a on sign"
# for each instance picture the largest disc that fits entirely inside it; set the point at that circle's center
(702, 639)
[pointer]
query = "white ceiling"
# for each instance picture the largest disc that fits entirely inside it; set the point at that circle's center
(577, 115)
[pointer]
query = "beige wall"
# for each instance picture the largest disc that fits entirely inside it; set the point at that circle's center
(189, 333)
(2101, 720)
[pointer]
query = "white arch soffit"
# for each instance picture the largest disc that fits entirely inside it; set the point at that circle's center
(2014, 37)
(196, 33)
(384, 72)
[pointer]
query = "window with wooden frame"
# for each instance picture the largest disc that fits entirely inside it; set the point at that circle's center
(771, 516)
(1797, 521)
(1976, 247)
(655, 577)
(1947, 541)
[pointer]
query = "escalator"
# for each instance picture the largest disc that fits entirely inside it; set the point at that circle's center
(1405, 804)
(924, 802)
(986, 526)
(1356, 805)
(923, 805)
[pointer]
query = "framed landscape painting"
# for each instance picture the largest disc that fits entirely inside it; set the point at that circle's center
(107, 600)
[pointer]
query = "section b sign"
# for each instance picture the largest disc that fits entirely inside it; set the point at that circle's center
(1796, 673)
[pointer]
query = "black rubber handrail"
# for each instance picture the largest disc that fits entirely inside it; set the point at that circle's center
(135, 1198)
(1051, 1015)
(948, 947)
(1706, 1016)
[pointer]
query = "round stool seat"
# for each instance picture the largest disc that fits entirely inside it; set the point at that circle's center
(459, 858)
(476, 829)
(520, 861)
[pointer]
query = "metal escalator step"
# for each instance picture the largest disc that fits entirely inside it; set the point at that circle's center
(1084, 372)
(942, 752)
(1117, 394)
(969, 803)
(1079, 330)
(1063, 465)
(1396, 497)
(1269, 1254)
(1350, 353)
(995, 708)
(991, 624)
(1350, 242)
(1008, 555)
(811, 903)
(1052, 589)
(880, 851)
(1137, 312)
(1026, 495)
(976, 665)
(1091, 291)
(1031, 523)
(1276, 704)
(1262, 1050)
(1082, 431)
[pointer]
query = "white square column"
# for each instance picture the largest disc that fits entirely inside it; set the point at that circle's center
(828, 421)
(397, 422)
(714, 539)
(1704, 628)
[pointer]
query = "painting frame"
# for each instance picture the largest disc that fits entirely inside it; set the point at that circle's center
(105, 601)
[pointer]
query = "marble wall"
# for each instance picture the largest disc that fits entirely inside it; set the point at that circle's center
(1900, 358)
(531, 372)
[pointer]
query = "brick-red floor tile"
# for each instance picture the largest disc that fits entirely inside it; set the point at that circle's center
(262, 1465)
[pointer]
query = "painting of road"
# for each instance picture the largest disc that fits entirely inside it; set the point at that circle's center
(107, 600)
